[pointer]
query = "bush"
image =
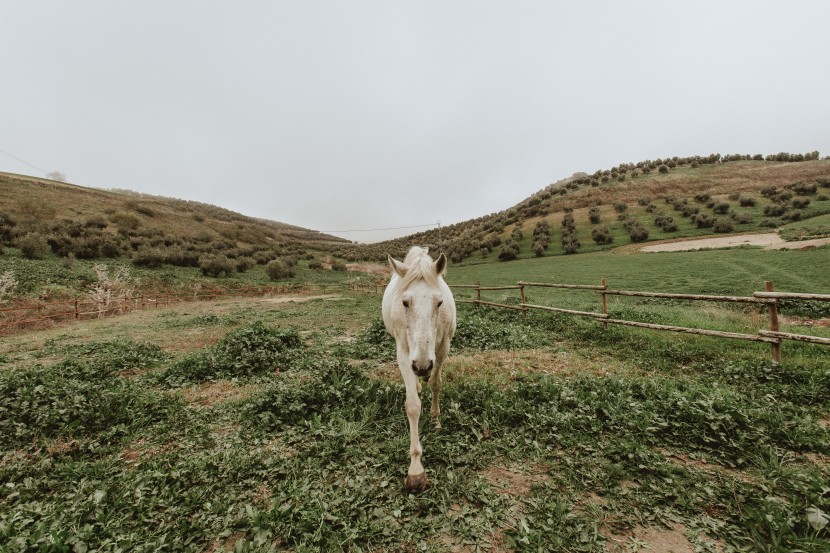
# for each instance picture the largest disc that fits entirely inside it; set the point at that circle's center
(663, 169)
(315, 265)
(638, 232)
(278, 269)
(824, 182)
(601, 235)
(216, 266)
(702, 220)
(803, 188)
(774, 210)
(747, 202)
(769, 191)
(33, 246)
(702, 198)
(742, 218)
(721, 209)
(509, 251)
(722, 224)
(593, 215)
(792, 216)
(337, 266)
(821, 198)
(620, 207)
(800, 203)
(244, 263)
(768, 223)
(148, 257)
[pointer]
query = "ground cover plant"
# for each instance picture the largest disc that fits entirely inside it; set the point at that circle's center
(252, 425)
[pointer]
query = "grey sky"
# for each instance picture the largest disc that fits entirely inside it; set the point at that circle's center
(359, 115)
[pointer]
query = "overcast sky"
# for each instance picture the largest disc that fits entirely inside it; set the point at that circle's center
(340, 115)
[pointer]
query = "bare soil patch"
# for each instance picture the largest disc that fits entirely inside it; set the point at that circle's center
(300, 299)
(654, 540)
(769, 241)
(211, 393)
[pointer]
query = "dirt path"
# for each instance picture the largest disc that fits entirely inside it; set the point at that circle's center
(769, 241)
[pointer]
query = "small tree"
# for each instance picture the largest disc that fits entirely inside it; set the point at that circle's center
(33, 246)
(279, 270)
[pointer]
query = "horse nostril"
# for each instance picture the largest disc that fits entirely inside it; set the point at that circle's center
(430, 365)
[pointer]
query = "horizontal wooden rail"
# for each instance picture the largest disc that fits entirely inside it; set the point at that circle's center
(463, 285)
(520, 308)
(792, 296)
(701, 331)
(798, 337)
(569, 286)
(568, 311)
(509, 287)
(698, 297)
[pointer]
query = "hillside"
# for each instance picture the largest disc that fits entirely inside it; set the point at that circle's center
(43, 216)
(636, 202)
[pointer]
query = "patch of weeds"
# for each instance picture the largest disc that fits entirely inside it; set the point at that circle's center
(208, 319)
(254, 349)
(373, 343)
(75, 399)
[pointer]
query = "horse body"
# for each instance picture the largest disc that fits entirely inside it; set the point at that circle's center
(419, 312)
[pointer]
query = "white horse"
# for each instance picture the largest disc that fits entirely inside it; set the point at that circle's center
(419, 312)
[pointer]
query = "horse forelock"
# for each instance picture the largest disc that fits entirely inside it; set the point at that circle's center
(419, 267)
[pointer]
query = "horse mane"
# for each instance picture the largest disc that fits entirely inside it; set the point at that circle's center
(419, 266)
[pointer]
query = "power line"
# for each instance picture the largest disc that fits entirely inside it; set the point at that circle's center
(23, 162)
(374, 229)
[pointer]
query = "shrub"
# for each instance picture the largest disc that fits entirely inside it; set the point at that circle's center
(125, 221)
(337, 266)
(509, 251)
(702, 220)
(593, 215)
(702, 198)
(821, 198)
(33, 245)
(651, 208)
(278, 269)
(794, 215)
(315, 265)
(643, 201)
(747, 202)
(824, 182)
(638, 232)
(620, 207)
(601, 235)
(800, 203)
(768, 223)
(571, 244)
(734, 196)
(722, 224)
(742, 218)
(803, 188)
(144, 210)
(149, 257)
(768, 191)
(216, 266)
(244, 263)
(721, 209)
(773, 210)
(663, 169)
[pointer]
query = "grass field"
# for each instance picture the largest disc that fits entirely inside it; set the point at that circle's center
(257, 425)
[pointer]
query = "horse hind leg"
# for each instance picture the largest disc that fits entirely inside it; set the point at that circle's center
(435, 382)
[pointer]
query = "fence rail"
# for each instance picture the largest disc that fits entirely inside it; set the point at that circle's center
(768, 298)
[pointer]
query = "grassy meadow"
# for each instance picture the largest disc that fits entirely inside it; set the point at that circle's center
(272, 425)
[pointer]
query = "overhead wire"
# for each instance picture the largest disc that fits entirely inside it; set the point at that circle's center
(23, 162)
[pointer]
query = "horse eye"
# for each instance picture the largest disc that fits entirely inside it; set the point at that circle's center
(406, 303)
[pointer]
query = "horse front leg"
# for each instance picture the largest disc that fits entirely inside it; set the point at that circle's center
(415, 480)
(435, 381)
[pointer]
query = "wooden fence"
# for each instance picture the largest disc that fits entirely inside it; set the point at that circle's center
(768, 298)
(84, 308)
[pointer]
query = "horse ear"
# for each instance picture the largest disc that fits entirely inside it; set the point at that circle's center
(440, 264)
(397, 266)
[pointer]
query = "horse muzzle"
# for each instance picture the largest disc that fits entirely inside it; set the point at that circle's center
(423, 370)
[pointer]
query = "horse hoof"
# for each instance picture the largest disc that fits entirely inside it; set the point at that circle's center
(415, 482)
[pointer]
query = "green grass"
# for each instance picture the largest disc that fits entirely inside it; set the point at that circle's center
(250, 425)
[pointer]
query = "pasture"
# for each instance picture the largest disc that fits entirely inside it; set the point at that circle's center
(257, 425)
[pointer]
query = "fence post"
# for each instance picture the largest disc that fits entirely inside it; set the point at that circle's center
(478, 291)
(773, 321)
(524, 309)
(604, 298)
